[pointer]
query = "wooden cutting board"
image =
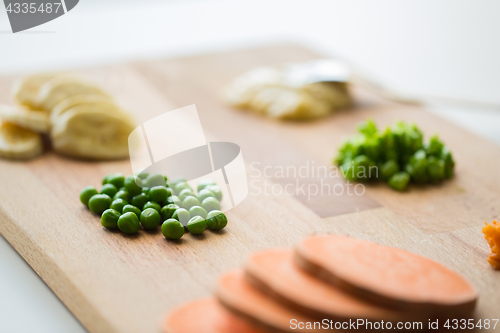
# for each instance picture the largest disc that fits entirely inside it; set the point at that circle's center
(117, 283)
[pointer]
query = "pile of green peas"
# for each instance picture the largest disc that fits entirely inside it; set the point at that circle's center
(127, 203)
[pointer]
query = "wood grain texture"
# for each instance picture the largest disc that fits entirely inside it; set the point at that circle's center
(118, 283)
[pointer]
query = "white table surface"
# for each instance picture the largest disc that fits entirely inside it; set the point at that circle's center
(446, 48)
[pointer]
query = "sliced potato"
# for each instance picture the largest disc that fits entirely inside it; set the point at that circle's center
(26, 89)
(59, 88)
(34, 120)
(91, 132)
(18, 143)
(75, 100)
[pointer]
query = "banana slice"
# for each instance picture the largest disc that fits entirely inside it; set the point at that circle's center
(34, 120)
(59, 88)
(91, 132)
(18, 143)
(26, 89)
(75, 100)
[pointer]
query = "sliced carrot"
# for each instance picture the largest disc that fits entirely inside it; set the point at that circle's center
(242, 299)
(205, 316)
(275, 274)
(386, 275)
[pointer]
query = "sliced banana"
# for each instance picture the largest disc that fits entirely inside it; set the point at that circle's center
(34, 120)
(90, 132)
(75, 100)
(59, 88)
(26, 89)
(19, 143)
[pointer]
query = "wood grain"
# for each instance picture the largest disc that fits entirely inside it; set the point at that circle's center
(117, 283)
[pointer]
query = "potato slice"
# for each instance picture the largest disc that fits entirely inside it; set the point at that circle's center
(58, 89)
(92, 131)
(18, 143)
(26, 89)
(75, 100)
(34, 120)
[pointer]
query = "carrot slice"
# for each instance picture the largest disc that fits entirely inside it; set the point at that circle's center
(207, 316)
(242, 299)
(274, 273)
(386, 275)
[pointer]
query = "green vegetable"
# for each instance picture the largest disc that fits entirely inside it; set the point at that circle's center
(87, 193)
(185, 193)
(216, 220)
(129, 223)
(131, 185)
(99, 203)
(203, 194)
(210, 204)
(151, 204)
(215, 190)
(399, 181)
(181, 185)
(182, 216)
(196, 225)
(131, 209)
(143, 175)
(109, 218)
(139, 200)
(173, 199)
(158, 193)
(116, 179)
(172, 229)
(150, 218)
(204, 183)
(189, 202)
(118, 204)
(122, 195)
(168, 210)
(383, 154)
(155, 180)
(109, 189)
(145, 190)
(105, 179)
(198, 211)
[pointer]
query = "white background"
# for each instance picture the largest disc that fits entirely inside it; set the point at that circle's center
(446, 48)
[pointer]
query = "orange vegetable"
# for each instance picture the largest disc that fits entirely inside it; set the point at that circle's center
(492, 234)
(386, 275)
(275, 273)
(207, 316)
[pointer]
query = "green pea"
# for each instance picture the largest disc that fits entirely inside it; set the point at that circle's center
(131, 185)
(172, 229)
(116, 179)
(203, 194)
(190, 201)
(215, 190)
(182, 216)
(185, 193)
(399, 181)
(122, 189)
(139, 200)
(131, 209)
(196, 225)
(198, 211)
(105, 179)
(152, 204)
(87, 193)
(158, 193)
(210, 204)
(109, 218)
(109, 189)
(145, 190)
(155, 180)
(168, 210)
(173, 199)
(143, 174)
(150, 218)
(122, 195)
(216, 220)
(178, 187)
(129, 223)
(118, 204)
(99, 203)
(204, 183)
